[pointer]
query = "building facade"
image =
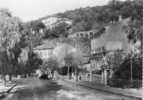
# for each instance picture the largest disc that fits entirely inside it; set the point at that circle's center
(45, 50)
(111, 40)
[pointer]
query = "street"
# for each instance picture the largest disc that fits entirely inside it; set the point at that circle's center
(50, 90)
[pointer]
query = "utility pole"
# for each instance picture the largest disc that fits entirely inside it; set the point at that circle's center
(142, 49)
(90, 47)
(131, 69)
(131, 65)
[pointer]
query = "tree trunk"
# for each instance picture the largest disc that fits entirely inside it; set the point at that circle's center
(90, 75)
(68, 72)
(10, 77)
(4, 80)
(142, 49)
(24, 75)
(76, 75)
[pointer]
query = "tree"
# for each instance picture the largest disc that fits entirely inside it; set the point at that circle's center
(59, 30)
(72, 61)
(69, 61)
(32, 33)
(10, 28)
(114, 60)
(67, 55)
(28, 63)
(33, 62)
(51, 64)
(135, 25)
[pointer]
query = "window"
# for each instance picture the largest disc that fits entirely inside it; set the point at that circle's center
(81, 35)
(86, 35)
(77, 35)
(91, 34)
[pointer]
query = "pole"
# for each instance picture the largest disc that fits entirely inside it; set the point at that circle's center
(131, 74)
(131, 69)
(91, 78)
(142, 50)
(68, 72)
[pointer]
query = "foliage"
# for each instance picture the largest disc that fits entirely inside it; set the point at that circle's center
(123, 73)
(59, 30)
(114, 60)
(32, 33)
(32, 63)
(82, 45)
(85, 18)
(3, 63)
(69, 60)
(63, 70)
(14, 35)
(10, 29)
(51, 64)
(72, 63)
(37, 26)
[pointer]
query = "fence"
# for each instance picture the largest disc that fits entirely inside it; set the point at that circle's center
(97, 78)
(125, 83)
(122, 83)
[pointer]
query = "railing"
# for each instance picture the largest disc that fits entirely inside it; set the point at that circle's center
(97, 78)
(125, 83)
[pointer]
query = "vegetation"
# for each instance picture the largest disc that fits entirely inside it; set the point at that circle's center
(89, 18)
(13, 38)
(94, 17)
(60, 30)
(51, 64)
(123, 77)
(10, 27)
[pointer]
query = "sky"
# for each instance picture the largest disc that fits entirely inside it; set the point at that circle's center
(33, 9)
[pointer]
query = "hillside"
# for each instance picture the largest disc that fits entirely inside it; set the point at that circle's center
(89, 18)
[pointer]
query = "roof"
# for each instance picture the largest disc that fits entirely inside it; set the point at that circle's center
(84, 33)
(113, 38)
(43, 47)
(46, 44)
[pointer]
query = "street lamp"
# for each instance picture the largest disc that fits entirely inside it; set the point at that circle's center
(131, 65)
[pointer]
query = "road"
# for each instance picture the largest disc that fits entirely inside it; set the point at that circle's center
(50, 90)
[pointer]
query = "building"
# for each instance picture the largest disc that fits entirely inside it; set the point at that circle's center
(45, 50)
(112, 39)
(83, 34)
(53, 21)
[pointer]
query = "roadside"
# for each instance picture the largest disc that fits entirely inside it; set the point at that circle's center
(118, 91)
(11, 87)
(5, 90)
(24, 83)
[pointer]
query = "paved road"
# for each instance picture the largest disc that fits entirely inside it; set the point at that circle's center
(50, 90)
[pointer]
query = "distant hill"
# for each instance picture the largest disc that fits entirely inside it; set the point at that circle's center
(90, 18)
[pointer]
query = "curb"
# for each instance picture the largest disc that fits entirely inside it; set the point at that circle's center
(104, 90)
(116, 93)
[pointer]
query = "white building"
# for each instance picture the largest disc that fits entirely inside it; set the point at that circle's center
(51, 22)
(45, 50)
